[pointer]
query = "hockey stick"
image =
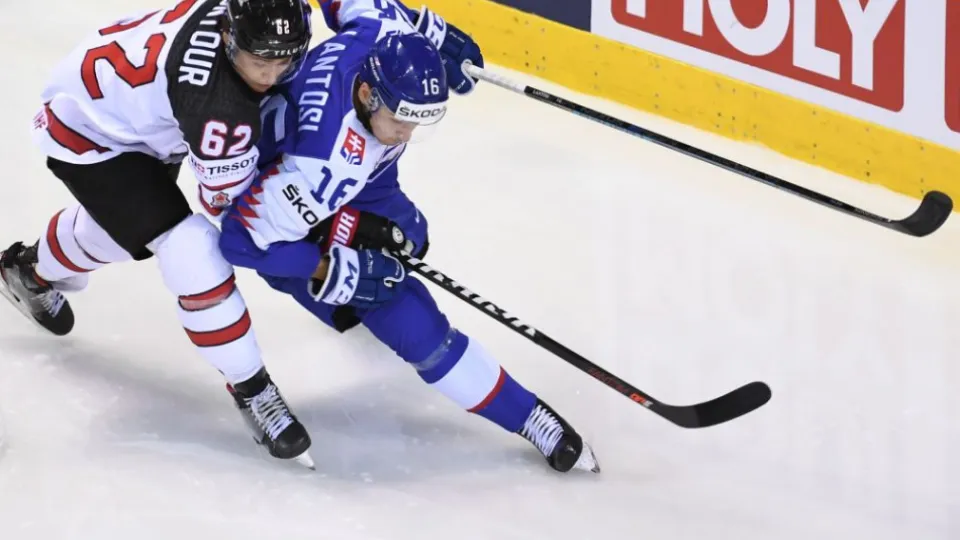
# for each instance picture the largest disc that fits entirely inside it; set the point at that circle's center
(716, 411)
(933, 211)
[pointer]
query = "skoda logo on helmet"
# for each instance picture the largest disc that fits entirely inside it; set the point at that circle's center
(425, 114)
(421, 114)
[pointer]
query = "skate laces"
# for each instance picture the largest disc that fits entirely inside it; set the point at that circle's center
(543, 430)
(270, 411)
(52, 301)
(37, 294)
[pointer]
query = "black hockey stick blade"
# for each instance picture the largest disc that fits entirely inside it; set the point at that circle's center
(739, 402)
(716, 411)
(727, 407)
(933, 212)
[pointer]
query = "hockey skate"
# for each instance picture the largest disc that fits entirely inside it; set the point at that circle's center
(557, 440)
(34, 297)
(270, 420)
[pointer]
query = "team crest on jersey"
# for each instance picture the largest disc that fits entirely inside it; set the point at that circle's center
(220, 200)
(353, 147)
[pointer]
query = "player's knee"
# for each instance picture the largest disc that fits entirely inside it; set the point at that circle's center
(443, 357)
(191, 264)
(209, 298)
(411, 323)
(95, 242)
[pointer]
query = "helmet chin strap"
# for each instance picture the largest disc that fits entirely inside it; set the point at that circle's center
(230, 45)
(375, 101)
(364, 110)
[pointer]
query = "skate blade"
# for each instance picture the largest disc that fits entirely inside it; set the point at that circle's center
(587, 460)
(305, 460)
(21, 306)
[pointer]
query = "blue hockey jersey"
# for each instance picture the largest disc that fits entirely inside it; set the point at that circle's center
(315, 154)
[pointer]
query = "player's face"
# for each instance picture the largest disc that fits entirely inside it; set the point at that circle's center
(260, 73)
(388, 130)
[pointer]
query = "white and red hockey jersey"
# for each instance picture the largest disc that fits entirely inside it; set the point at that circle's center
(159, 83)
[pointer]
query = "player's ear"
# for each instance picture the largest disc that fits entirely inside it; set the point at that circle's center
(364, 92)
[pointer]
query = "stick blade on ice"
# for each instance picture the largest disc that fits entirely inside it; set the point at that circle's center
(735, 404)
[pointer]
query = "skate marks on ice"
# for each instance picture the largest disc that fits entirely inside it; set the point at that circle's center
(112, 444)
(125, 440)
(366, 432)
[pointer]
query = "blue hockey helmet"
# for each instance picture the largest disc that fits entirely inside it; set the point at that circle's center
(407, 76)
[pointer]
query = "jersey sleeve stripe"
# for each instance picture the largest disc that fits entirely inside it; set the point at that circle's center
(68, 138)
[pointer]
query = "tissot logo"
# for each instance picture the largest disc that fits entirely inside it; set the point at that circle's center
(232, 167)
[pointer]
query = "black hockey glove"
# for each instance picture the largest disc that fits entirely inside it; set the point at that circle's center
(360, 230)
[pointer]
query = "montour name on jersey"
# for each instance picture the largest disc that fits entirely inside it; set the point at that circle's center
(197, 63)
(316, 89)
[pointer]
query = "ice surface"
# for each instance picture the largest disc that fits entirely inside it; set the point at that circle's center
(681, 278)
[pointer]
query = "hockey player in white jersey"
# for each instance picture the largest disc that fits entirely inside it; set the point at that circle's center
(119, 115)
(316, 223)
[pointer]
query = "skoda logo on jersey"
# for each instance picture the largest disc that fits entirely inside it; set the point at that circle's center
(423, 115)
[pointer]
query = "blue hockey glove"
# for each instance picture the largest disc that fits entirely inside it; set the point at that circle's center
(456, 47)
(363, 279)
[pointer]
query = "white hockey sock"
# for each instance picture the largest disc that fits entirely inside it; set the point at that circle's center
(210, 307)
(74, 245)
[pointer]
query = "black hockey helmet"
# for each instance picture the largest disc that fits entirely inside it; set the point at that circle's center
(269, 28)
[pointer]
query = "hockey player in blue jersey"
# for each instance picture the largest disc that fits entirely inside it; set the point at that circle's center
(319, 222)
